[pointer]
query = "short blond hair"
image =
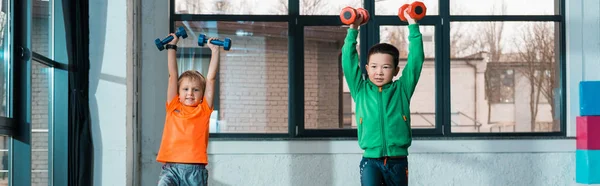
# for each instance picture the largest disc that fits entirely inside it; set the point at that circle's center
(192, 75)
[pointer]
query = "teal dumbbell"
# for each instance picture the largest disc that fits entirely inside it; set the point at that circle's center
(226, 44)
(161, 44)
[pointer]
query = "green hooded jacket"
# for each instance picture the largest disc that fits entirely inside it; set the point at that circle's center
(383, 113)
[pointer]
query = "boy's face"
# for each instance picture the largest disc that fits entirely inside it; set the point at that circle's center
(381, 69)
(190, 92)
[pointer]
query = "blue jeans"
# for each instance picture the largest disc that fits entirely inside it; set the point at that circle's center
(382, 171)
(178, 174)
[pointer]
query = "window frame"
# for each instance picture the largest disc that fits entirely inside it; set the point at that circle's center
(8, 123)
(369, 34)
(20, 157)
(560, 62)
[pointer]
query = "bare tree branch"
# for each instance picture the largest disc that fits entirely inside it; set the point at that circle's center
(461, 43)
(538, 51)
(492, 35)
(282, 7)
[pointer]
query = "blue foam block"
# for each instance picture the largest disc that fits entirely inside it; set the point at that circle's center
(589, 98)
(587, 166)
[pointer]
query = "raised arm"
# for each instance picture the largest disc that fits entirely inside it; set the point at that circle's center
(350, 60)
(172, 65)
(412, 70)
(211, 77)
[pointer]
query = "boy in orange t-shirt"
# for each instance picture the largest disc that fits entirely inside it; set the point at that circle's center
(185, 134)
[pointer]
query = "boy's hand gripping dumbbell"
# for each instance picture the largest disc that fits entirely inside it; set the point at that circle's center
(350, 15)
(161, 44)
(226, 44)
(417, 10)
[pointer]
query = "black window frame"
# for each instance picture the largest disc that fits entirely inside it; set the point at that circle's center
(369, 34)
(20, 158)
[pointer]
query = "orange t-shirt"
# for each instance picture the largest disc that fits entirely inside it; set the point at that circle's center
(185, 135)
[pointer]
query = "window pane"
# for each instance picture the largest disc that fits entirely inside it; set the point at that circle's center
(323, 78)
(253, 76)
(5, 85)
(39, 178)
(390, 7)
(5, 54)
(245, 7)
(422, 105)
(4, 151)
(41, 31)
(504, 77)
(504, 7)
(41, 115)
(326, 7)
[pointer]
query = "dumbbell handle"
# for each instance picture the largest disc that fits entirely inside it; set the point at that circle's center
(202, 40)
(170, 37)
(214, 42)
(167, 39)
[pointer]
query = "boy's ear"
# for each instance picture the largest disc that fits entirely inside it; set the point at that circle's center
(396, 71)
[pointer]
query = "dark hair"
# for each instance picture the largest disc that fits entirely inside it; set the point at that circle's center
(384, 48)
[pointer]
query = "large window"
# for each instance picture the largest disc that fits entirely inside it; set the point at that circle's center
(6, 120)
(30, 158)
(491, 68)
(253, 87)
(506, 73)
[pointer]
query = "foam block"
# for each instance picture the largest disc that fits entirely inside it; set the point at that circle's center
(588, 132)
(587, 166)
(589, 101)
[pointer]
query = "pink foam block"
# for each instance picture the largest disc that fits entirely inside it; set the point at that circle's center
(588, 132)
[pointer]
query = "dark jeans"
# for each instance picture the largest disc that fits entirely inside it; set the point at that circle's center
(382, 171)
(177, 174)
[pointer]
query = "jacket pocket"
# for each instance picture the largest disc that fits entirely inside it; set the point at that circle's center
(370, 135)
(400, 131)
(366, 138)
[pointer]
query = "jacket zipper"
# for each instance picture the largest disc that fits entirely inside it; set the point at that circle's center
(382, 122)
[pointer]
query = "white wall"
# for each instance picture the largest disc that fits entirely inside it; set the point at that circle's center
(108, 90)
(433, 162)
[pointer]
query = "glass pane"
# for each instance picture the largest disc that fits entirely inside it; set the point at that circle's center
(422, 107)
(39, 178)
(5, 85)
(326, 7)
(390, 7)
(41, 31)
(504, 7)
(41, 116)
(323, 78)
(252, 91)
(245, 7)
(5, 54)
(504, 78)
(4, 152)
